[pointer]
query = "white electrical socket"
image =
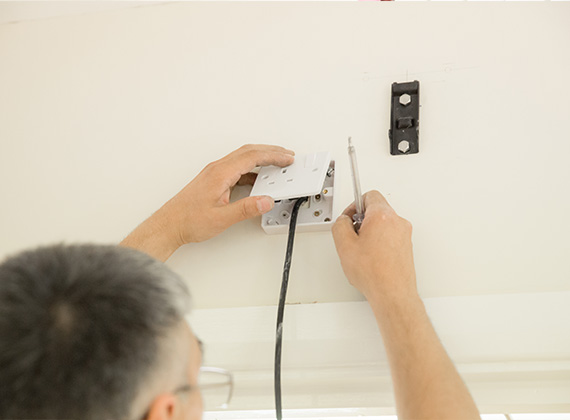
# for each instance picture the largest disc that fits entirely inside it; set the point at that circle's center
(319, 185)
(302, 178)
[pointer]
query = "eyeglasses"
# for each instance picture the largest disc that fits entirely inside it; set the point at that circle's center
(216, 386)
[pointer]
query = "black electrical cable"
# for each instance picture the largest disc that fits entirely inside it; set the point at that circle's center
(281, 307)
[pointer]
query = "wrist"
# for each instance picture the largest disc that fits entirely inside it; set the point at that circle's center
(154, 237)
(166, 226)
(398, 315)
(395, 300)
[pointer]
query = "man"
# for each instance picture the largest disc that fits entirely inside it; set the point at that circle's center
(98, 332)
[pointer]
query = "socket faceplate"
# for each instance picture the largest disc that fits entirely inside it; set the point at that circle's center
(305, 177)
(314, 215)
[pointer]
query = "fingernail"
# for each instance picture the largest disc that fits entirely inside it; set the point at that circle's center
(264, 204)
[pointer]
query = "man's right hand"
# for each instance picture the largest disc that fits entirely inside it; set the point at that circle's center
(378, 260)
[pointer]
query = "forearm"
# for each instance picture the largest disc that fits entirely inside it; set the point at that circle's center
(154, 236)
(426, 383)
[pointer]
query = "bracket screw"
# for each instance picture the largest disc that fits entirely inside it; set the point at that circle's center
(404, 146)
(405, 99)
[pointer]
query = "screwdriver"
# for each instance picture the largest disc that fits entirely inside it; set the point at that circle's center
(358, 217)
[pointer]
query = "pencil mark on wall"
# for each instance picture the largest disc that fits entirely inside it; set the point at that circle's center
(446, 68)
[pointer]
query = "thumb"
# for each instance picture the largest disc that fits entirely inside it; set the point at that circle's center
(246, 208)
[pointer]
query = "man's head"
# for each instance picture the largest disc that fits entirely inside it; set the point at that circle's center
(95, 332)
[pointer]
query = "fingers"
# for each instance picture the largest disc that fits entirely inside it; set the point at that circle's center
(343, 233)
(247, 179)
(265, 148)
(230, 169)
(247, 161)
(246, 208)
(257, 149)
(374, 200)
(250, 159)
(350, 210)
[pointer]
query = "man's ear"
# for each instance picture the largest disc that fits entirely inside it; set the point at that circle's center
(163, 408)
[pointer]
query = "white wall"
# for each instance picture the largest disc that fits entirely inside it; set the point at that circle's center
(104, 116)
(511, 358)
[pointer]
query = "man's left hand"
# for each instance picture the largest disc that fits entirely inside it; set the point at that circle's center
(202, 209)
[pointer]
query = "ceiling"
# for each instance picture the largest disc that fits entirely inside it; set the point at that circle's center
(20, 11)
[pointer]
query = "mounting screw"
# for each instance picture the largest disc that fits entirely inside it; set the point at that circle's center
(404, 146)
(405, 99)
(317, 213)
(325, 192)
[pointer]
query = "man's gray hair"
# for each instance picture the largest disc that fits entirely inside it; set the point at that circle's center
(80, 327)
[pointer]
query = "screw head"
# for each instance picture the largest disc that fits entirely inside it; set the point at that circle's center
(404, 146)
(317, 213)
(405, 99)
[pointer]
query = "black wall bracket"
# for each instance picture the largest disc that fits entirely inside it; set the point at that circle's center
(405, 118)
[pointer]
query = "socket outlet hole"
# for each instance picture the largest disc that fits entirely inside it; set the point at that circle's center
(318, 197)
(265, 177)
(285, 214)
(271, 183)
(315, 169)
(290, 180)
(284, 171)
